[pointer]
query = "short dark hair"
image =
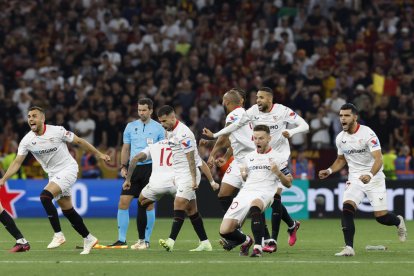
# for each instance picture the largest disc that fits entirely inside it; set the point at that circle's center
(348, 106)
(146, 101)
(234, 96)
(37, 108)
(262, 128)
(241, 92)
(165, 110)
(267, 90)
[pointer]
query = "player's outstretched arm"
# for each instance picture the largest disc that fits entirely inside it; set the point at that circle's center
(222, 142)
(206, 171)
(88, 147)
(14, 167)
(338, 164)
(301, 126)
(137, 158)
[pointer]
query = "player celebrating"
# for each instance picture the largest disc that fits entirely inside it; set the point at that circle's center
(276, 117)
(22, 244)
(161, 181)
(359, 147)
(186, 177)
(262, 170)
(241, 144)
(47, 143)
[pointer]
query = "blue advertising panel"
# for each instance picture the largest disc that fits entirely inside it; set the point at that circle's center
(91, 198)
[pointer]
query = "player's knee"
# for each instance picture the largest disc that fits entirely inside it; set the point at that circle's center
(46, 197)
(348, 209)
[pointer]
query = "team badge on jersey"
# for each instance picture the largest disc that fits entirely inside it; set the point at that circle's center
(293, 114)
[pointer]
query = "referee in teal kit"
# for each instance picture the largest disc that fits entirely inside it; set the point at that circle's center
(137, 136)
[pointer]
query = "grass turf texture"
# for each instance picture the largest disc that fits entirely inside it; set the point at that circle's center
(313, 253)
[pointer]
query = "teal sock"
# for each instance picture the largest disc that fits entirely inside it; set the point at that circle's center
(150, 224)
(123, 222)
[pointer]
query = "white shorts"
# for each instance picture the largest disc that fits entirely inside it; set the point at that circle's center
(65, 180)
(232, 176)
(184, 184)
(241, 204)
(375, 191)
(154, 191)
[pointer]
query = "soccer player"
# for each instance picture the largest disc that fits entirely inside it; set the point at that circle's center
(359, 147)
(161, 181)
(262, 169)
(241, 144)
(186, 177)
(22, 244)
(276, 117)
(137, 136)
(47, 143)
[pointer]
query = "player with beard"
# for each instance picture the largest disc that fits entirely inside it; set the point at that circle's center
(276, 117)
(359, 147)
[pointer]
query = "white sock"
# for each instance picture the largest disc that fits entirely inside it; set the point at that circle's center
(89, 236)
(21, 241)
(59, 233)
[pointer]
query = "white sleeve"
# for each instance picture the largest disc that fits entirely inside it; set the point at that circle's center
(301, 124)
(23, 150)
(66, 135)
(233, 126)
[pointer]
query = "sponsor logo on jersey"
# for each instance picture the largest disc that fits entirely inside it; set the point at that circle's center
(45, 151)
(260, 167)
(352, 151)
(274, 127)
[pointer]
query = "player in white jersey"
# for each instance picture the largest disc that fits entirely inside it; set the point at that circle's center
(276, 117)
(161, 181)
(47, 143)
(186, 177)
(241, 141)
(262, 169)
(359, 147)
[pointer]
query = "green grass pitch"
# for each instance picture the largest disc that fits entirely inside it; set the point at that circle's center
(313, 254)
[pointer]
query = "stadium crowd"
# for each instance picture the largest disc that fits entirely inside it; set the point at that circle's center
(88, 61)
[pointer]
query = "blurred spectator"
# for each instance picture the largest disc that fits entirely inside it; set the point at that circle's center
(301, 167)
(404, 164)
(10, 155)
(89, 166)
(319, 128)
(85, 127)
(389, 157)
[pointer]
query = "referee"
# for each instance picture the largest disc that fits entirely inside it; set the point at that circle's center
(137, 135)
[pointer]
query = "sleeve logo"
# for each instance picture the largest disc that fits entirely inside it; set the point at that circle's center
(374, 143)
(186, 144)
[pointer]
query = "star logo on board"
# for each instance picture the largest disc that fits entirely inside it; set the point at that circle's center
(9, 197)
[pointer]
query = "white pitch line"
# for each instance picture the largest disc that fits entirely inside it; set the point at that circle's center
(206, 262)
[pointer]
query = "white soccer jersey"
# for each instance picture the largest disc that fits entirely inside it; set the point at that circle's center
(182, 140)
(259, 174)
(276, 119)
(357, 149)
(241, 139)
(49, 149)
(162, 166)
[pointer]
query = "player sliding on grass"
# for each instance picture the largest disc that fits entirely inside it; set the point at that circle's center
(263, 170)
(161, 181)
(359, 147)
(47, 143)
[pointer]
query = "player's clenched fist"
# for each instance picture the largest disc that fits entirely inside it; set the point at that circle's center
(126, 185)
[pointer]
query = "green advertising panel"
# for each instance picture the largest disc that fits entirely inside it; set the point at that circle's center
(295, 200)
